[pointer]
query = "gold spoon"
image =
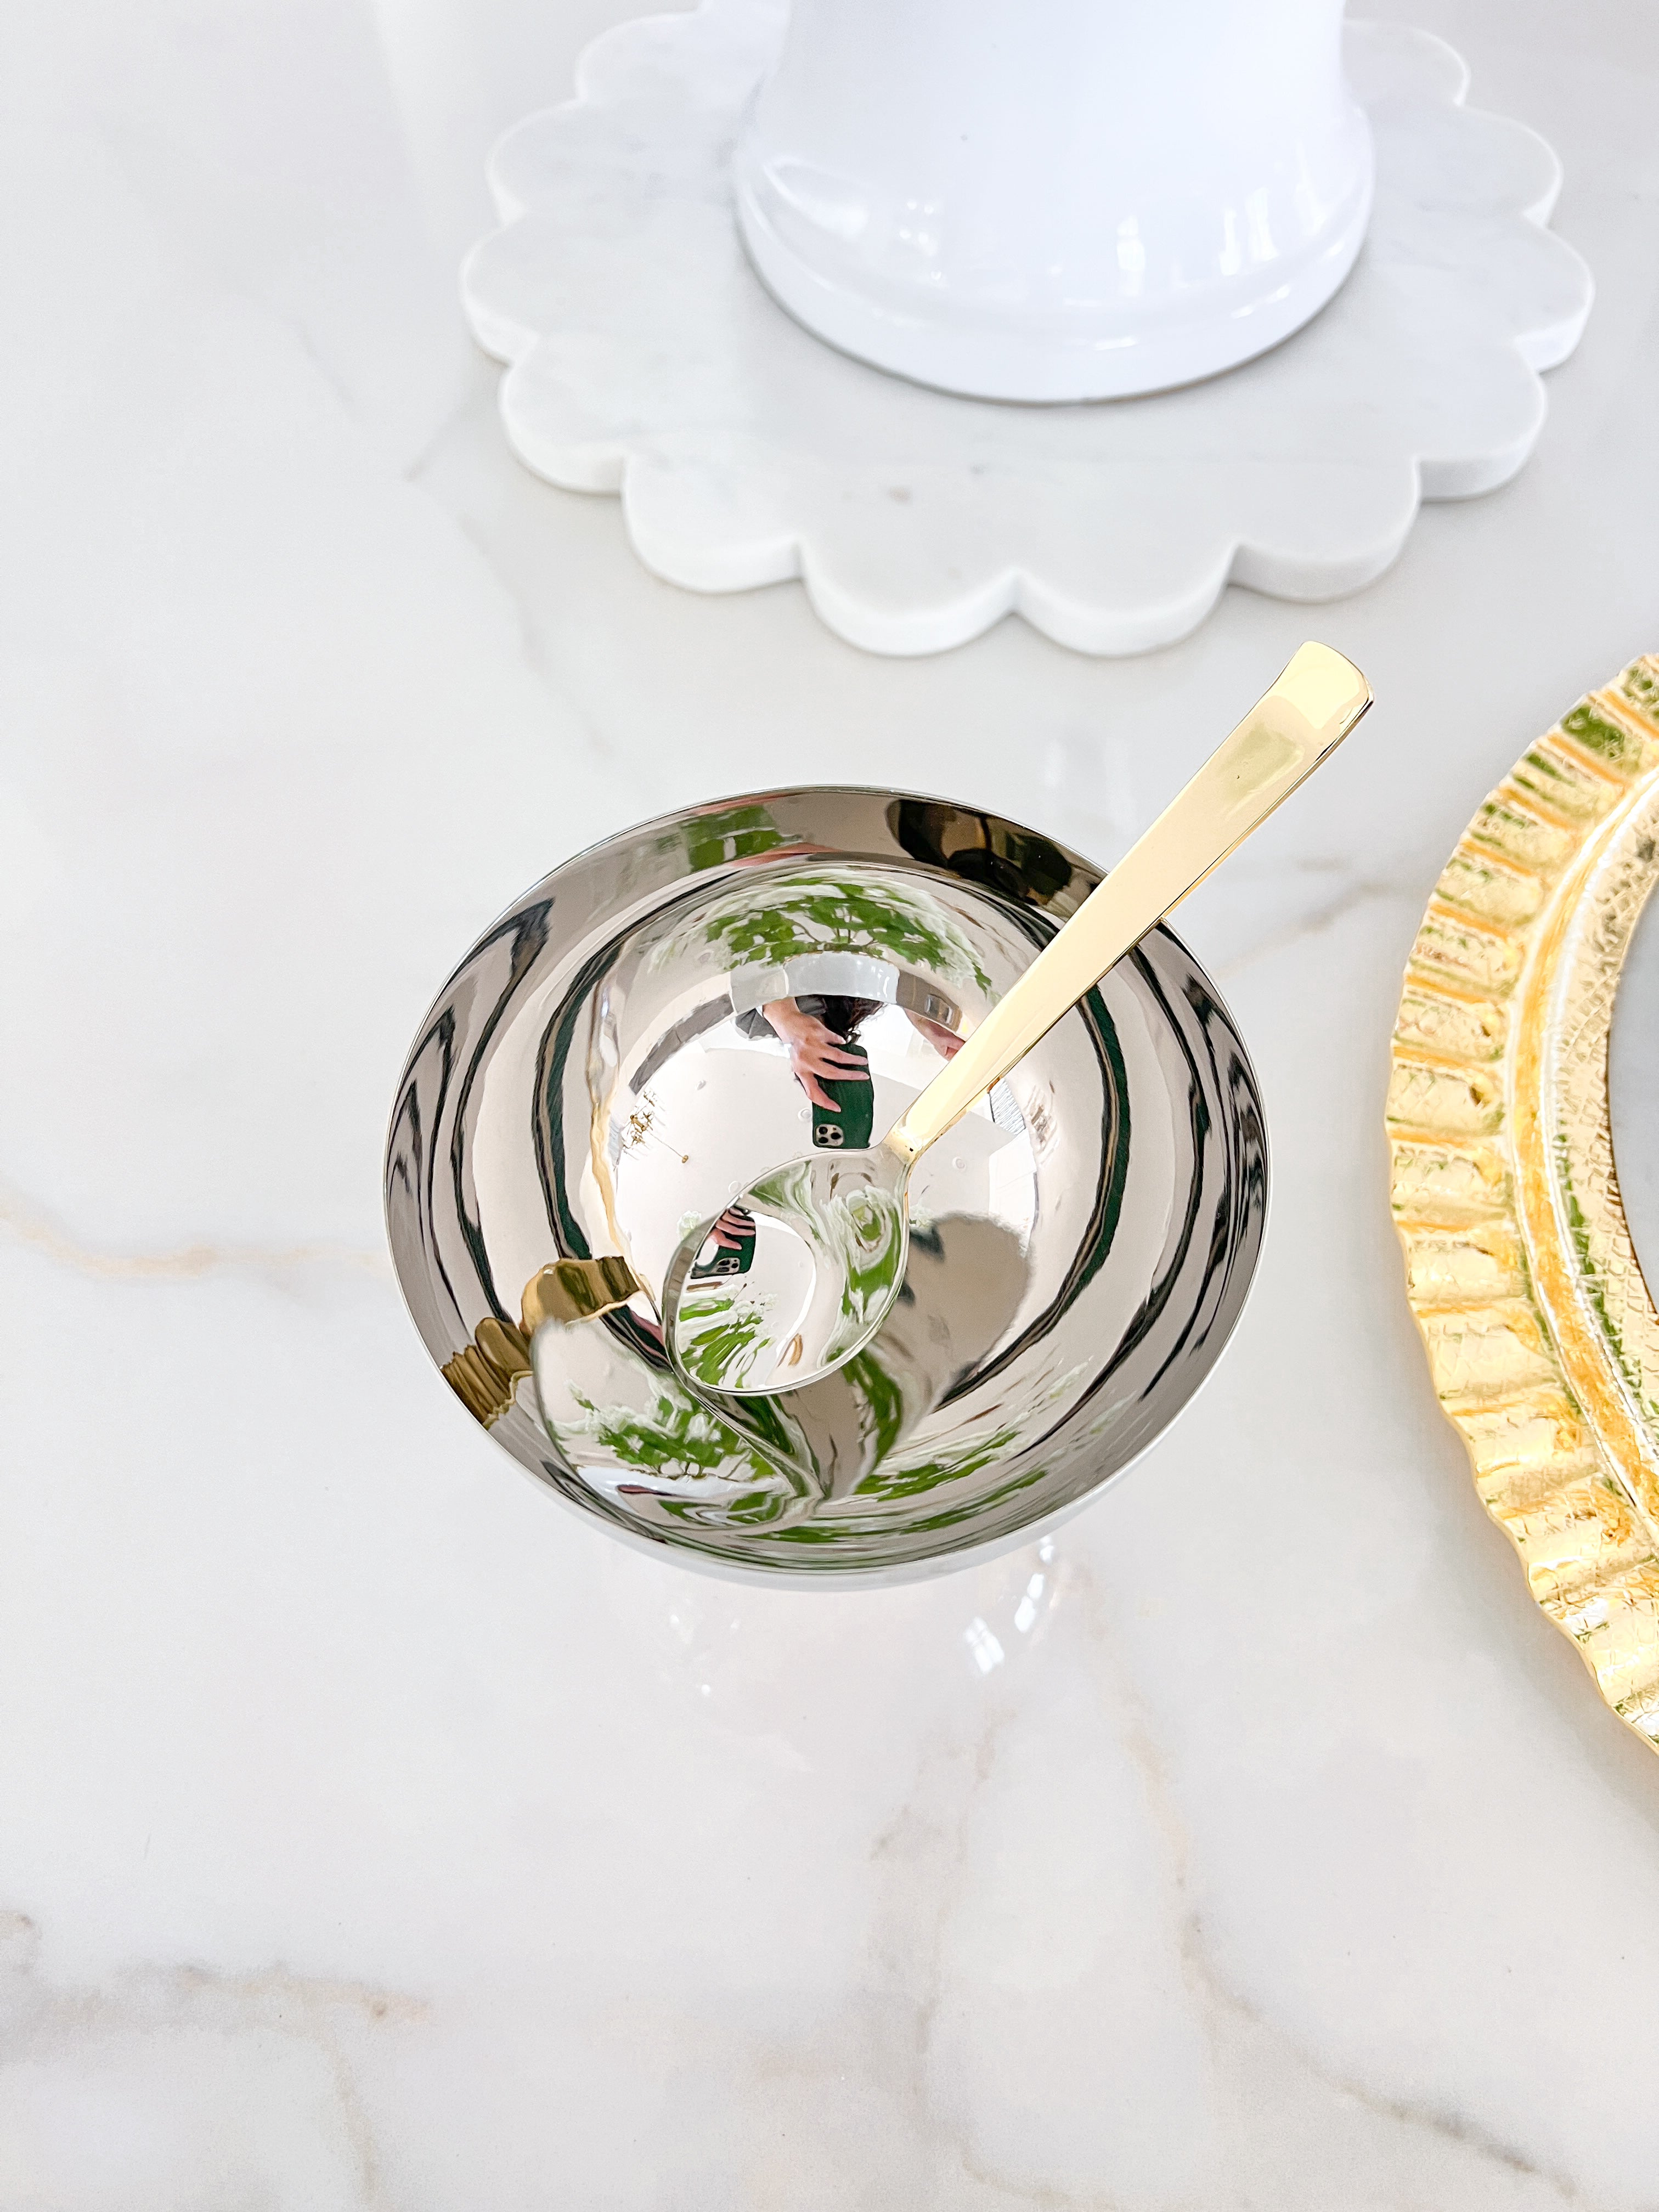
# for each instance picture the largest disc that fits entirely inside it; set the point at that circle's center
(832, 1229)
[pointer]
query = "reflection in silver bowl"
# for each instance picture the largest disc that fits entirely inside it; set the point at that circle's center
(664, 1018)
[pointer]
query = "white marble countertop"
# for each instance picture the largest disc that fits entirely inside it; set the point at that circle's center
(373, 1833)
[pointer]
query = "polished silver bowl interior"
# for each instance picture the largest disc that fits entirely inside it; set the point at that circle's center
(612, 1063)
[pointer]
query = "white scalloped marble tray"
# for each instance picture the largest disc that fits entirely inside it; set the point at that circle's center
(647, 360)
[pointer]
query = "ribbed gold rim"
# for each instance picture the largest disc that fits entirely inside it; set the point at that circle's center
(1542, 1337)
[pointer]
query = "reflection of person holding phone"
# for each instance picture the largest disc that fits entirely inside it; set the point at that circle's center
(818, 1052)
(817, 1031)
(733, 1240)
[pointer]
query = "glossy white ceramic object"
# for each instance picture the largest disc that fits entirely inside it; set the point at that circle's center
(1066, 202)
(647, 359)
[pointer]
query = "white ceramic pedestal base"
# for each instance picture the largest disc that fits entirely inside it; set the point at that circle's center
(647, 359)
(1067, 202)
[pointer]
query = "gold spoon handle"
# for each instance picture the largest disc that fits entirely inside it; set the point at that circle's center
(1280, 742)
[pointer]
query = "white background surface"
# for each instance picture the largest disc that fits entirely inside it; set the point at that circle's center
(377, 1835)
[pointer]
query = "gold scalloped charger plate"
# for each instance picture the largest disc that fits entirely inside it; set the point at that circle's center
(1542, 1336)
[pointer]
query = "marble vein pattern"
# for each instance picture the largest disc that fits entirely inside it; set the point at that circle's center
(647, 359)
(372, 1836)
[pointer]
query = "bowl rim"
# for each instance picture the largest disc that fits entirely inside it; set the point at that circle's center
(664, 1546)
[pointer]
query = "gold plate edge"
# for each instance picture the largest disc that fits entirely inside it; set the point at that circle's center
(1503, 1184)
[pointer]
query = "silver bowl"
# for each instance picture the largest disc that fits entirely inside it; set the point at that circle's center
(600, 1073)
